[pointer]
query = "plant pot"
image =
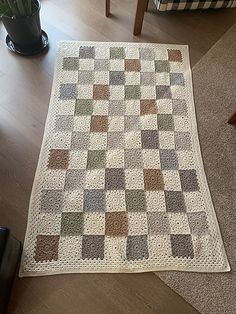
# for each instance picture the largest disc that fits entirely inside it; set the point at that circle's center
(25, 35)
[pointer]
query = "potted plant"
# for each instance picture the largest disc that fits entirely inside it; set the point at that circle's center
(22, 22)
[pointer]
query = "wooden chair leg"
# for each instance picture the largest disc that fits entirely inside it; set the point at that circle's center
(147, 6)
(232, 119)
(107, 8)
(138, 23)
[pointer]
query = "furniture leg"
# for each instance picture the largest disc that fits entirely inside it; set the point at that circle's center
(232, 119)
(107, 10)
(10, 251)
(141, 8)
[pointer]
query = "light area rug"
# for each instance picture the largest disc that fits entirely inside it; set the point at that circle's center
(215, 99)
(120, 184)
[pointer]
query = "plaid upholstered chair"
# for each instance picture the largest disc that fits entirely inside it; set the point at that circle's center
(168, 5)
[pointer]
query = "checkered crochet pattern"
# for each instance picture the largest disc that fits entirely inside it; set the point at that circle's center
(120, 185)
(169, 5)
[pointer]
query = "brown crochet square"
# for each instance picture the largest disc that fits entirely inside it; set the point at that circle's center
(174, 55)
(132, 65)
(58, 159)
(46, 248)
(101, 92)
(148, 106)
(99, 124)
(153, 179)
(116, 224)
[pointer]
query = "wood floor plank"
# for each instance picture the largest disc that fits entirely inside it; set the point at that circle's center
(25, 86)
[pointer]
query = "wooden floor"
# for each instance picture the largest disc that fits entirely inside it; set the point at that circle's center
(25, 85)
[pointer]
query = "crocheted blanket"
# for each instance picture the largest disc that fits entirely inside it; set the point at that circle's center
(120, 184)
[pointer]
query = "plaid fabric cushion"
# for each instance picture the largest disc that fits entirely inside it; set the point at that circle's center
(168, 5)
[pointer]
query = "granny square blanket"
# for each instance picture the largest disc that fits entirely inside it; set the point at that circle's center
(120, 184)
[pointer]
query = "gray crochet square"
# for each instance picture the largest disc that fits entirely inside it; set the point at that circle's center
(177, 79)
(198, 223)
(147, 78)
(158, 223)
(133, 158)
(74, 179)
(64, 123)
(132, 123)
(117, 78)
(116, 108)
(93, 247)
(163, 92)
(68, 91)
(181, 245)
(183, 141)
(137, 247)
(51, 200)
(87, 52)
(94, 200)
(179, 107)
(146, 54)
(114, 179)
(189, 181)
(168, 159)
(175, 201)
(115, 140)
(101, 65)
(80, 140)
(150, 139)
(85, 77)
